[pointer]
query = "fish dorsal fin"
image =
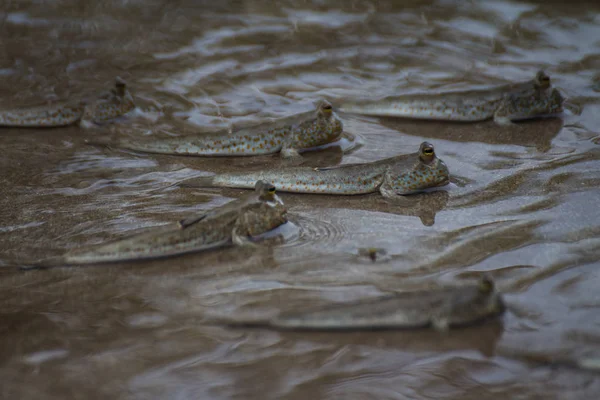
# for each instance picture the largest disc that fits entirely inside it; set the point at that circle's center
(226, 208)
(383, 161)
(186, 222)
(327, 168)
(339, 166)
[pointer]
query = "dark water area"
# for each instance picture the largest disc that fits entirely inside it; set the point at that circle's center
(523, 204)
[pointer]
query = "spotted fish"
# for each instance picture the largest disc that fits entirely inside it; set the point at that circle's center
(234, 223)
(287, 136)
(118, 102)
(400, 175)
(506, 103)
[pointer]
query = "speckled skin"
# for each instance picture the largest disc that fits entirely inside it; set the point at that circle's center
(235, 222)
(117, 103)
(440, 308)
(525, 100)
(400, 175)
(42, 117)
(287, 135)
(521, 106)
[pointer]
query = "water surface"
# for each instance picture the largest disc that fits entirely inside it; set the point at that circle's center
(523, 205)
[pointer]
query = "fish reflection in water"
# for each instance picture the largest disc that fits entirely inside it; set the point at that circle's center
(441, 308)
(538, 133)
(424, 206)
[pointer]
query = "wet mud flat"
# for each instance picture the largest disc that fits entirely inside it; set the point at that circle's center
(521, 206)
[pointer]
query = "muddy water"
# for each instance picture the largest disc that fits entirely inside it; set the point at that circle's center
(523, 204)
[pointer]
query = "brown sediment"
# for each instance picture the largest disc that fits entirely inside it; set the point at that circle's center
(521, 204)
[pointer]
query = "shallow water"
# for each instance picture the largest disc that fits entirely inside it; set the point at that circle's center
(523, 204)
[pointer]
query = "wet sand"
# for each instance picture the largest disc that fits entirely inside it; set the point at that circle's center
(522, 206)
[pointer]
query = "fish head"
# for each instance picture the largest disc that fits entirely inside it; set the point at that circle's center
(120, 89)
(262, 217)
(328, 117)
(541, 80)
(475, 302)
(530, 104)
(266, 192)
(264, 214)
(111, 105)
(427, 172)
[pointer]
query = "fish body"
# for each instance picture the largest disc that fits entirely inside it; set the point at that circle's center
(233, 223)
(287, 136)
(403, 174)
(504, 103)
(440, 308)
(42, 117)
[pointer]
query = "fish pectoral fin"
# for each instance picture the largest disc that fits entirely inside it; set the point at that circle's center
(240, 239)
(289, 153)
(389, 194)
(503, 120)
(327, 168)
(336, 167)
(291, 157)
(440, 324)
(502, 116)
(85, 123)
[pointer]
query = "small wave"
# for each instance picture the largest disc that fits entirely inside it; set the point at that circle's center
(314, 232)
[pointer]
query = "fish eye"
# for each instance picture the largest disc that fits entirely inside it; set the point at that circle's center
(120, 88)
(272, 189)
(543, 79)
(326, 106)
(486, 285)
(428, 151)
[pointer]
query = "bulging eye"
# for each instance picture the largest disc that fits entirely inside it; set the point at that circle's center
(272, 190)
(428, 151)
(543, 79)
(486, 285)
